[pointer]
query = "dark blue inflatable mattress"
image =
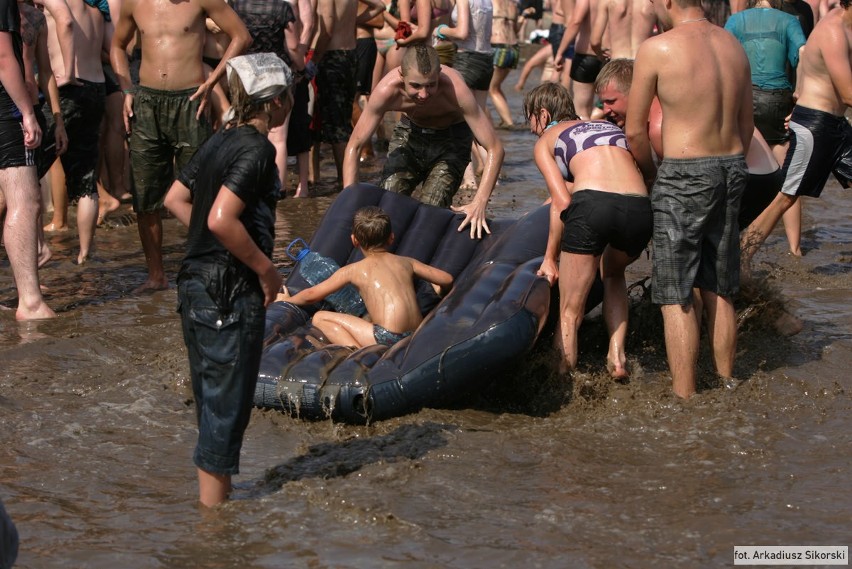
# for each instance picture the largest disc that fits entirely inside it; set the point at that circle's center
(490, 319)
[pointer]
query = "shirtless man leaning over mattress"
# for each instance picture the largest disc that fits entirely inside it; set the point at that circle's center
(431, 143)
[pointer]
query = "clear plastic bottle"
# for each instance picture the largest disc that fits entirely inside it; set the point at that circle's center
(316, 268)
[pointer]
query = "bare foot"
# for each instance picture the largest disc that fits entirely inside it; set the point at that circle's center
(81, 258)
(53, 228)
(151, 286)
(106, 207)
(797, 252)
(44, 254)
(788, 325)
(40, 312)
(519, 87)
(617, 371)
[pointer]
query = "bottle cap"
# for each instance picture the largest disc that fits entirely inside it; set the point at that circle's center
(302, 252)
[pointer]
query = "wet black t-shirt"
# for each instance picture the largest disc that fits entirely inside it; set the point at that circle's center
(10, 21)
(242, 160)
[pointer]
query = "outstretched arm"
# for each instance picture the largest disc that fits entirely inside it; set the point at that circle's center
(318, 292)
(442, 279)
(484, 133)
(559, 200)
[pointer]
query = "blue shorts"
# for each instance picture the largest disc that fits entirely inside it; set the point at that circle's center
(554, 38)
(224, 359)
(387, 338)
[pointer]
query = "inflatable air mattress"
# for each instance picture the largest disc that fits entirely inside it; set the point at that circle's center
(490, 319)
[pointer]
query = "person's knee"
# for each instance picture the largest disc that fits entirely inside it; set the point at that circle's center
(785, 201)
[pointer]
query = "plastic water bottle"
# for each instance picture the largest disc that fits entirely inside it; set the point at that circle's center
(316, 268)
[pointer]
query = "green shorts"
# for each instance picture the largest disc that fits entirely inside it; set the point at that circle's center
(437, 158)
(165, 134)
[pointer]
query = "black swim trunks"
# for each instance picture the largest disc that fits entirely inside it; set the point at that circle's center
(475, 68)
(13, 154)
(366, 51)
(771, 109)
(821, 143)
(596, 219)
(82, 111)
(585, 68)
(760, 190)
(336, 92)
(299, 138)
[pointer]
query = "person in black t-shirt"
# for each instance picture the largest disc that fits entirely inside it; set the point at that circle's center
(226, 196)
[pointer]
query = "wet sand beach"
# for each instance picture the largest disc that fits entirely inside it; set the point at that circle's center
(97, 429)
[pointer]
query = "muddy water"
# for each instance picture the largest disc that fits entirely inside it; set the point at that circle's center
(97, 429)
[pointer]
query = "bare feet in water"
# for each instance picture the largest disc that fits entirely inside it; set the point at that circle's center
(53, 228)
(44, 254)
(151, 286)
(41, 311)
(301, 192)
(788, 325)
(617, 371)
(106, 205)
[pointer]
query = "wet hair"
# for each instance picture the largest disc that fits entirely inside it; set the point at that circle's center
(244, 109)
(777, 4)
(552, 97)
(845, 3)
(424, 57)
(371, 227)
(619, 72)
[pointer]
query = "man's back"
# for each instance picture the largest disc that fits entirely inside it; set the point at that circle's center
(703, 84)
(825, 77)
(337, 18)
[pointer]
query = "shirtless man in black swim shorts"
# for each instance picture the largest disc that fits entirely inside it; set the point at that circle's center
(821, 141)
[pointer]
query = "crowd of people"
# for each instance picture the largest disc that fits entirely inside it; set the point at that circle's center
(656, 125)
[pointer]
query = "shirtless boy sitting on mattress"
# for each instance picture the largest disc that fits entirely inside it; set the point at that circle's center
(385, 281)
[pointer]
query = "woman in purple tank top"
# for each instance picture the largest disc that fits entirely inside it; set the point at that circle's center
(600, 218)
